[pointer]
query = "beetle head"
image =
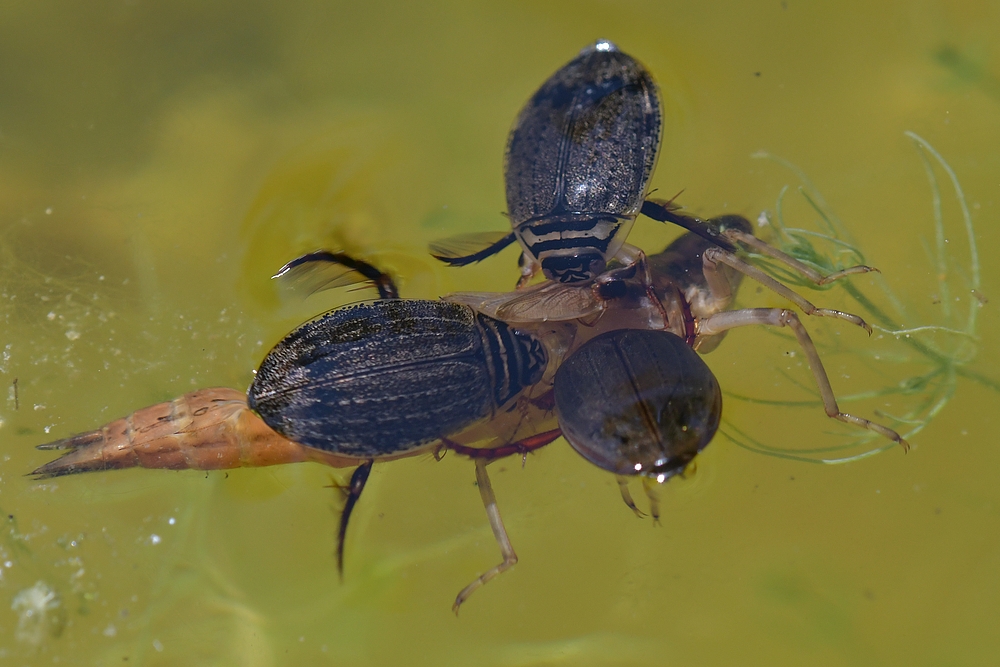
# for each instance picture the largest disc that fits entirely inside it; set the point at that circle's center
(578, 268)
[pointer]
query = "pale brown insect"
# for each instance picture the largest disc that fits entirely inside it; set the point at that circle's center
(208, 429)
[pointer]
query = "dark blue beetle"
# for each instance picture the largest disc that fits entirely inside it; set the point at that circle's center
(380, 379)
(578, 163)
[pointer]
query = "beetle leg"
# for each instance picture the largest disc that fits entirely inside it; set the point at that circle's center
(486, 244)
(309, 262)
(662, 211)
(649, 485)
(778, 317)
(525, 446)
(810, 273)
(714, 256)
(643, 269)
(499, 532)
(627, 496)
(353, 491)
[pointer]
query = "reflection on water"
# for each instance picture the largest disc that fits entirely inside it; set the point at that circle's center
(159, 162)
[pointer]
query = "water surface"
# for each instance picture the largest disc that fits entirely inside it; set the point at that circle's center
(159, 161)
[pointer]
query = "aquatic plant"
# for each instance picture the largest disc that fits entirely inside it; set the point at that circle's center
(942, 351)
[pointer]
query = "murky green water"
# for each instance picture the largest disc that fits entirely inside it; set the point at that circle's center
(159, 162)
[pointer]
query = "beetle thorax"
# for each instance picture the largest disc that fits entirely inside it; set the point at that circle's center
(573, 248)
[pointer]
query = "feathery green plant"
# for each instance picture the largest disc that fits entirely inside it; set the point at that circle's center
(945, 350)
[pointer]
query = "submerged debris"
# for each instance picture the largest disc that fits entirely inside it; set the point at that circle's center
(40, 613)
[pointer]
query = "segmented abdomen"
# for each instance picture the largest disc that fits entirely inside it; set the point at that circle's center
(208, 429)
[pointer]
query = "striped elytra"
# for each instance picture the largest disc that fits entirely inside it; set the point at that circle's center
(382, 378)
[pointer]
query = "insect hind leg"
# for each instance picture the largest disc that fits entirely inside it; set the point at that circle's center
(664, 211)
(778, 317)
(308, 269)
(353, 493)
(499, 532)
(454, 251)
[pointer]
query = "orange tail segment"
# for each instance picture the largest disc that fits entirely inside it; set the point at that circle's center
(208, 429)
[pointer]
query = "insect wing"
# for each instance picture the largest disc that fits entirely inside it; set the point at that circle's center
(545, 302)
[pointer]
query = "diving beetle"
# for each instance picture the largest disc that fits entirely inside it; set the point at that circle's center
(366, 382)
(578, 162)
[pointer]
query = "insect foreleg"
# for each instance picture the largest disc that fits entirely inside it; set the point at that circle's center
(627, 496)
(714, 256)
(766, 249)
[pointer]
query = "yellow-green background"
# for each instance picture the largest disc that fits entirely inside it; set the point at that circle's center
(158, 161)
